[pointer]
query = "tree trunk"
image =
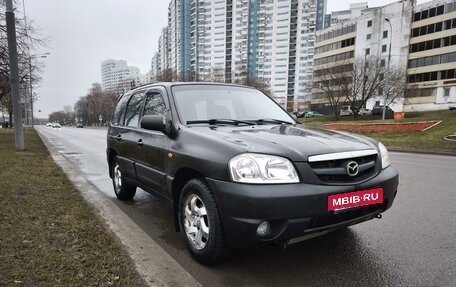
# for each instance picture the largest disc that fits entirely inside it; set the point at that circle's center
(10, 117)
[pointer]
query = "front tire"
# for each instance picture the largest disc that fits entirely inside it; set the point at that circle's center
(200, 224)
(122, 189)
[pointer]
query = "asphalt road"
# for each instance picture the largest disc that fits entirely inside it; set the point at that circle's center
(414, 244)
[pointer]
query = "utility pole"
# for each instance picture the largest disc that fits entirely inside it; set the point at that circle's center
(31, 88)
(14, 69)
(385, 97)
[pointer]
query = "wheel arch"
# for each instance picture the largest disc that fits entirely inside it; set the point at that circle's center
(111, 155)
(183, 175)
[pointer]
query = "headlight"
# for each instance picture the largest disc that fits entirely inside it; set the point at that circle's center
(259, 168)
(384, 154)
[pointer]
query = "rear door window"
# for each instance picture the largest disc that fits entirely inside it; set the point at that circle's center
(133, 109)
(119, 111)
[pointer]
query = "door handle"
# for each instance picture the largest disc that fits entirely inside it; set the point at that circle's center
(118, 137)
(140, 142)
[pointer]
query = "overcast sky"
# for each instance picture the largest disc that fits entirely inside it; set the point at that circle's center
(83, 33)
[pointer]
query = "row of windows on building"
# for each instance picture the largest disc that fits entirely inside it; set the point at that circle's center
(432, 60)
(434, 28)
(334, 46)
(433, 44)
(432, 76)
(336, 33)
(335, 58)
(434, 11)
(334, 70)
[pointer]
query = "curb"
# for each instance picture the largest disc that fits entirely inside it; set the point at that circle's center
(421, 152)
(153, 264)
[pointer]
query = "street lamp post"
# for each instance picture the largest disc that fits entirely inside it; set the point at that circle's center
(44, 55)
(385, 92)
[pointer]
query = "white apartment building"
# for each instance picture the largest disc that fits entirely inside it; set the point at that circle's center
(231, 40)
(163, 60)
(367, 36)
(174, 34)
(154, 67)
(117, 76)
(423, 44)
(208, 40)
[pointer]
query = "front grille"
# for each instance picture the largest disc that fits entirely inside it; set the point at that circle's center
(331, 219)
(335, 171)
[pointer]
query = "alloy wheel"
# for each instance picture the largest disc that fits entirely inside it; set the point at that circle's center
(196, 221)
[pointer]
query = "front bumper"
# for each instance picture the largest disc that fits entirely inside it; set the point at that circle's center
(293, 210)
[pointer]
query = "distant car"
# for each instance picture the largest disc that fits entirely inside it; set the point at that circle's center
(56, 126)
(49, 125)
(313, 114)
(364, 112)
(378, 110)
(452, 108)
(346, 110)
(79, 126)
(300, 114)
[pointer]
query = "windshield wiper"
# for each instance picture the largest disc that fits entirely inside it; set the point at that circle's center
(222, 122)
(274, 121)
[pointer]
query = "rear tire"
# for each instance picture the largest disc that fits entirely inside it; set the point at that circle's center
(122, 189)
(200, 224)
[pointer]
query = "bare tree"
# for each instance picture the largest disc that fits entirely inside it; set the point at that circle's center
(60, 117)
(354, 82)
(369, 78)
(258, 83)
(28, 40)
(397, 86)
(218, 75)
(167, 75)
(81, 108)
(189, 76)
(96, 103)
(333, 84)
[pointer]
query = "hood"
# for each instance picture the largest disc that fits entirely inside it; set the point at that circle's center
(294, 142)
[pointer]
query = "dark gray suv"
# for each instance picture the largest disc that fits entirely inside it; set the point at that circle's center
(239, 170)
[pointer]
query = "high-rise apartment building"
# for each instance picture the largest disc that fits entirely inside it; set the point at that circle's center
(321, 12)
(117, 76)
(154, 67)
(163, 50)
(174, 12)
(233, 40)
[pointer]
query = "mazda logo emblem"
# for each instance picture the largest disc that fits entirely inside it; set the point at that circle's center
(352, 168)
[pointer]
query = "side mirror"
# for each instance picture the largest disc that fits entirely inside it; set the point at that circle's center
(294, 117)
(153, 123)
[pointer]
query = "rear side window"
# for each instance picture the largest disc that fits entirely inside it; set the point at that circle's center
(133, 108)
(120, 108)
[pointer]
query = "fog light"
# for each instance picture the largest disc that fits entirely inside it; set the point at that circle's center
(263, 229)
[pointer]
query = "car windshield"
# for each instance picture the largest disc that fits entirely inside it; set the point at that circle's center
(197, 103)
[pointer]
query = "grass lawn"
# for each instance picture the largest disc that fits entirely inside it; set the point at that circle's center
(428, 141)
(49, 235)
